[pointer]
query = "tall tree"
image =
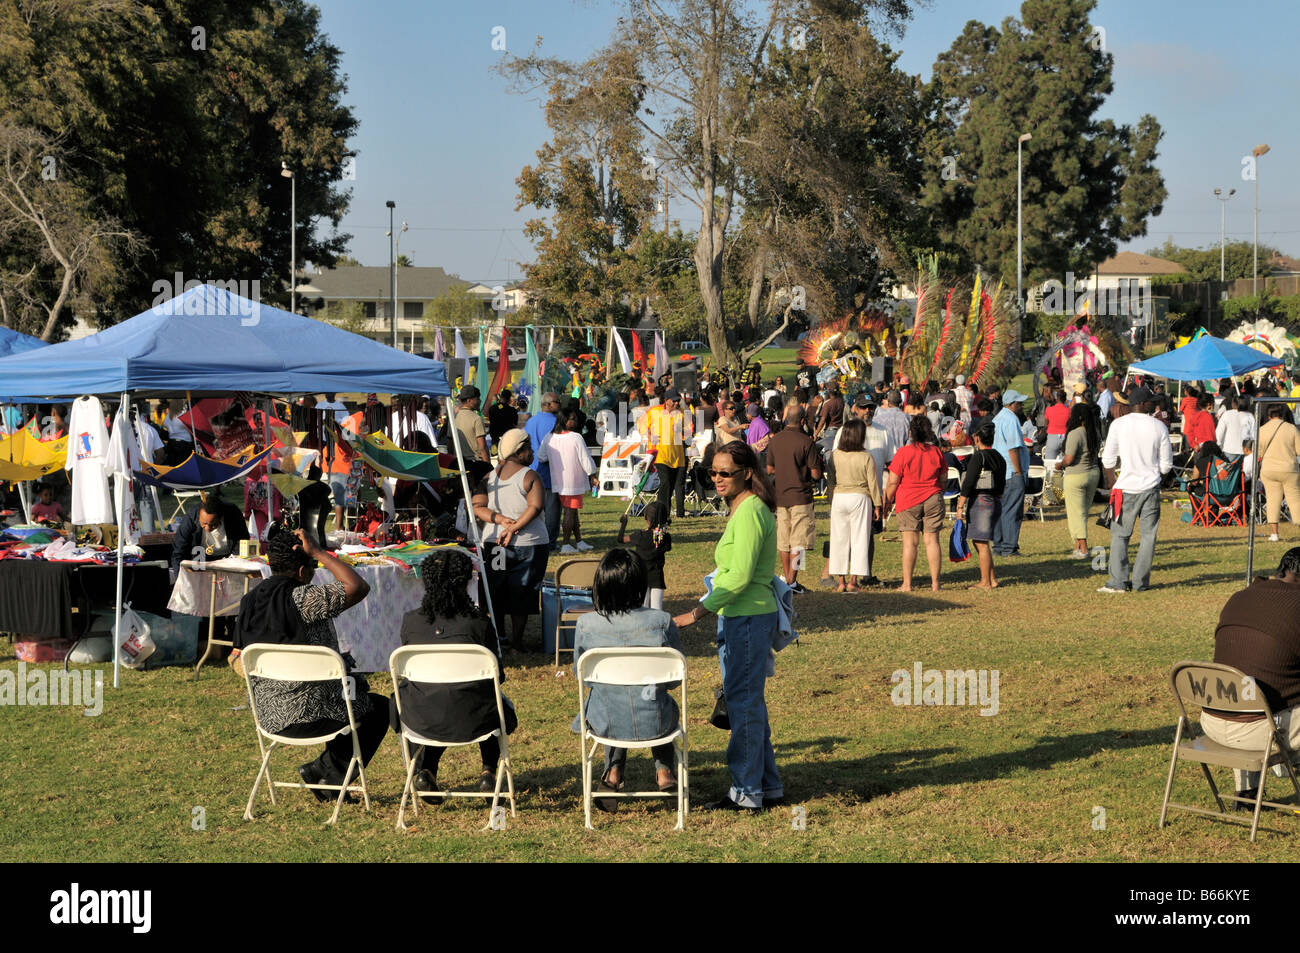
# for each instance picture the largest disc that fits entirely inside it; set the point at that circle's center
(1202, 264)
(1088, 184)
(175, 116)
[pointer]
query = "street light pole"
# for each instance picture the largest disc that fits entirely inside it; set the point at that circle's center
(392, 277)
(1258, 151)
(395, 260)
(1020, 301)
(293, 235)
(1223, 221)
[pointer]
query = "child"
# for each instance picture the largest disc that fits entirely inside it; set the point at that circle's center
(652, 544)
(47, 510)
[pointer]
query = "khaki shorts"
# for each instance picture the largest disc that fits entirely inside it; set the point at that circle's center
(929, 513)
(794, 527)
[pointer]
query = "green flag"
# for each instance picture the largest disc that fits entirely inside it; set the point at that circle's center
(483, 380)
(530, 377)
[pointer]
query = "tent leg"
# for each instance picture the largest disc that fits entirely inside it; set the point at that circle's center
(24, 497)
(474, 533)
(117, 603)
(270, 489)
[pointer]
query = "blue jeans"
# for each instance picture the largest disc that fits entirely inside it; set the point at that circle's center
(1006, 534)
(744, 645)
(1144, 506)
(551, 516)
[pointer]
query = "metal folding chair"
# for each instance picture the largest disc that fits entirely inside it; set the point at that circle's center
(577, 573)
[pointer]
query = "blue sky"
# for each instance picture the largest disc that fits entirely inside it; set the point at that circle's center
(441, 135)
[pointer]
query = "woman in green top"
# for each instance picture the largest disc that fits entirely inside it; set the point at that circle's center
(1082, 445)
(743, 598)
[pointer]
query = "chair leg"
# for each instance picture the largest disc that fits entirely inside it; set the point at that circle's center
(343, 792)
(681, 784)
(1259, 800)
(1169, 781)
(407, 790)
(510, 782)
(586, 781)
(248, 810)
(1214, 788)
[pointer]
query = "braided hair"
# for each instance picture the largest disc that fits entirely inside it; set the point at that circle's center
(447, 576)
(284, 553)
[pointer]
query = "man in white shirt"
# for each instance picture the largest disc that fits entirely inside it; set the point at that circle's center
(340, 409)
(1142, 443)
(1236, 425)
(964, 396)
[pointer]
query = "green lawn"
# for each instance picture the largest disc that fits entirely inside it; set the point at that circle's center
(1084, 722)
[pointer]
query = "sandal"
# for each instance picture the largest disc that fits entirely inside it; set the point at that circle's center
(669, 786)
(608, 804)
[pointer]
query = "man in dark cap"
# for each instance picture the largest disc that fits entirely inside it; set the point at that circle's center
(667, 438)
(502, 416)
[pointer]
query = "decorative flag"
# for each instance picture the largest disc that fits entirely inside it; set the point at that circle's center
(501, 379)
(591, 345)
(460, 353)
(622, 352)
(482, 380)
(532, 378)
(661, 365)
(609, 349)
(439, 347)
(638, 353)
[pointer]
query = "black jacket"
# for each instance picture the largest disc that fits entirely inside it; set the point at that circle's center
(189, 534)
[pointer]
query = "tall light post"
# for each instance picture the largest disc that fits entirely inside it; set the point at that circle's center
(1223, 221)
(392, 277)
(293, 235)
(1258, 151)
(395, 260)
(1020, 267)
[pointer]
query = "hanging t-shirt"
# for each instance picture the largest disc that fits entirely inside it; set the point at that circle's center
(88, 461)
(123, 461)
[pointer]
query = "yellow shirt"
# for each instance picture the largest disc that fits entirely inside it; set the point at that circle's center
(666, 433)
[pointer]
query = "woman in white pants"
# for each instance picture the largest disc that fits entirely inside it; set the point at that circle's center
(857, 495)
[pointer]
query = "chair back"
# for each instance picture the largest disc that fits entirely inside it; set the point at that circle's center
(1217, 686)
(293, 663)
(1224, 477)
(577, 573)
(631, 665)
(443, 664)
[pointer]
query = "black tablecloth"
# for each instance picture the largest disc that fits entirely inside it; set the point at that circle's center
(37, 597)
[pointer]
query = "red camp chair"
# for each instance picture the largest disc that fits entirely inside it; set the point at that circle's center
(1219, 497)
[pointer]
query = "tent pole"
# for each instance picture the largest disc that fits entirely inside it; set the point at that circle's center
(1250, 501)
(23, 498)
(117, 607)
(472, 523)
(266, 442)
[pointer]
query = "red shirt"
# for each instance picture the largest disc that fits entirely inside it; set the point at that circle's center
(1186, 406)
(921, 474)
(1058, 415)
(1198, 427)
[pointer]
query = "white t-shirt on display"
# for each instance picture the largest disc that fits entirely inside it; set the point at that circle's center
(88, 462)
(123, 460)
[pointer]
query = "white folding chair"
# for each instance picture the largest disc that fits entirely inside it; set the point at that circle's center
(182, 499)
(1036, 499)
(301, 663)
(444, 665)
(633, 666)
(949, 493)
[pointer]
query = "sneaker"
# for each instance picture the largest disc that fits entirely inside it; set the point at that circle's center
(1274, 538)
(1077, 554)
(567, 550)
(584, 546)
(725, 803)
(1109, 588)
(797, 587)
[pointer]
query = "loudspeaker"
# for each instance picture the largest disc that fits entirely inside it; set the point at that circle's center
(685, 376)
(882, 369)
(457, 367)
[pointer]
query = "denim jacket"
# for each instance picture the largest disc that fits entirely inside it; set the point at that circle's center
(625, 711)
(785, 632)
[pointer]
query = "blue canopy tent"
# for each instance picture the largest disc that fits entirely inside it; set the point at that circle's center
(211, 341)
(1206, 358)
(12, 342)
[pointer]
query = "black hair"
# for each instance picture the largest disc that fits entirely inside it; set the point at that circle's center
(656, 514)
(1290, 561)
(212, 505)
(1205, 401)
(620, 583)
(744, 457)
(851, 435)
(446, 577)
(1081, 416)
(986, 434)
(1277, 411)
(281, 554)
(920, 430)
(1243, 403)
(984, 405)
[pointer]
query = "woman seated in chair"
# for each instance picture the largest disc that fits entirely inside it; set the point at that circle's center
(451, 712)
(1205, 455)
(287, 610)
(620, 620)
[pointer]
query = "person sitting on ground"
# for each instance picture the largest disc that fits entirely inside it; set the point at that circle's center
(209, 530)
(622, 620)
(1259, 633)
(459, 711)
(287, 610)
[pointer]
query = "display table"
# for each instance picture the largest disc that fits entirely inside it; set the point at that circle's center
(40, 598)
(227, 582)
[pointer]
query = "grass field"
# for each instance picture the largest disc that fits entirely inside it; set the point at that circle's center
(1084, 722)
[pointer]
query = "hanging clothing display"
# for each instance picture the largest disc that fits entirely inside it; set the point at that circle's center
(88, 462)
(124, 460)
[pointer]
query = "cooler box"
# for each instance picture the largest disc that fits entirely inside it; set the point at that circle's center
(570, 599)
(177, 639)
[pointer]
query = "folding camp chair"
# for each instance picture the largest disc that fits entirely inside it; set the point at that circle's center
(577, 573)
(301, 663)
(701, 493)
(1219, 497)
(441, 665)
(633, 667)
(1034, 498)
(183, 499)
(645, 486)
(1223, 688)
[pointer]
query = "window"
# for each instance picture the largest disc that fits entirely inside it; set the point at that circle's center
(368, 309)
(413, 309)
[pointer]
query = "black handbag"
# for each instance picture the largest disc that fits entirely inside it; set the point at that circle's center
(719, 717)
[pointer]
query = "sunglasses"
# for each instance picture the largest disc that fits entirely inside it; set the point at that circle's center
(723, 474)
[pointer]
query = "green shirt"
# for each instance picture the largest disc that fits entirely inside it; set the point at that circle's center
(746, 560)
